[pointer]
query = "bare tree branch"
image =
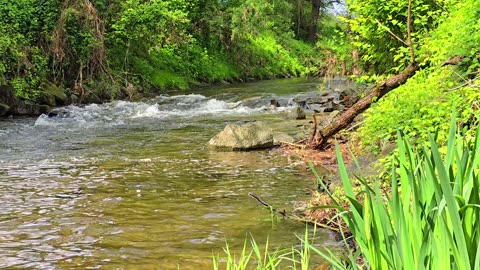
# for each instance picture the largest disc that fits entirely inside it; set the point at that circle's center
(409, 31)
(390, 32)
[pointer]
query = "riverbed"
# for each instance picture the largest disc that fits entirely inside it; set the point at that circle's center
(132, 185)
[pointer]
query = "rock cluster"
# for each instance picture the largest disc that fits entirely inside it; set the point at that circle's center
(328, 101)
(258, 135)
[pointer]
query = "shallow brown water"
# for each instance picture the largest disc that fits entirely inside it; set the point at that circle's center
(132, 185)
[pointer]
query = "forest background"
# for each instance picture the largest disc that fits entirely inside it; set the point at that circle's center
(57, 52)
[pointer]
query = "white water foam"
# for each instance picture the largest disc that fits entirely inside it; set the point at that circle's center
(163, 107)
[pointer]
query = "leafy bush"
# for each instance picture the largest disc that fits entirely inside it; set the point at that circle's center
(425, 101)
(380, 29)
(23, 61)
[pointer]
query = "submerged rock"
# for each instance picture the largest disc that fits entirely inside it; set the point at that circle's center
(250, 136)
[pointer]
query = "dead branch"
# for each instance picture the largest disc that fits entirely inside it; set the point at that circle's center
(390, 32)
(262, 202)
(343, 120)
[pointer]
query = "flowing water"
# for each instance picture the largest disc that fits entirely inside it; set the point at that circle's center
(131, 185)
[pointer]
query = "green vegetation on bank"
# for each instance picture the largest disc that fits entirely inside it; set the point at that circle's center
(425, 216)
(115, 49)
(423, 105)
(429, 218)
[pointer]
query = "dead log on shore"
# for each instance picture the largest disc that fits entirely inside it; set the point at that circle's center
(321, 136)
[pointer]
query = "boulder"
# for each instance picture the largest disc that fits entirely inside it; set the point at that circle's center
(318, 100)
(24, 108)
(52, 95)
(61, 113)
(223, 82)
(316, 108)
(296, 113)
(92, 98)
(250, 136)
(329, 107)
(4, 109)
(280, 138)
(254, 102)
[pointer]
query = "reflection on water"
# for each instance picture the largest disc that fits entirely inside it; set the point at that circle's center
(132, 186)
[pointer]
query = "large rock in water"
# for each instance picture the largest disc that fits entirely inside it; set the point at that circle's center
(250, 136)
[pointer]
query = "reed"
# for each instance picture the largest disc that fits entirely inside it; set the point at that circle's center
(430, 218)
(253, 256)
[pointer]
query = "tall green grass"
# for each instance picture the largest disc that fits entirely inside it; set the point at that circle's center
(253, 256)
(430, 219)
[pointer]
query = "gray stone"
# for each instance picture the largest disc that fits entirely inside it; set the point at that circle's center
(281, 138)
(316, 107)
(4, 109)
(61, 113)
(317, 100)
(250, 136)
(74, 99)
(31, 109)
(92, 98)
(296, 113)
(223, 82)
(329, 107)
(254, 102)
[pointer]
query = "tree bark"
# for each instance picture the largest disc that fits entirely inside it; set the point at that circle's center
(322, 135)
(312, 29)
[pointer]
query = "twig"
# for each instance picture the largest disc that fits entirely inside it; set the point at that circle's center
(409, 31)
(262, 202)
(354, 126)
(314, 127)
(390, 32)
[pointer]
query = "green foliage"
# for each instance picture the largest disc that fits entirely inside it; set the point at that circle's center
(267, 57)
(161, 41)
(23, 63)
(263, 258)
(421, 105)
(429, 218)
(380, 30)
(336, 47)
(457, 35)
(149, 45)
(254, 256)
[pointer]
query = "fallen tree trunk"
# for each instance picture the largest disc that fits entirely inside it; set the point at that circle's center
(321, 136)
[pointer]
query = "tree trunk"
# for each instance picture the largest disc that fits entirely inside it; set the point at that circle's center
(312, 28)
(321, 136)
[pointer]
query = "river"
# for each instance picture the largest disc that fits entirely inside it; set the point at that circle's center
(132, 185)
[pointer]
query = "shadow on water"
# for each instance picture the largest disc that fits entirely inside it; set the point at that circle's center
(132, 185)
